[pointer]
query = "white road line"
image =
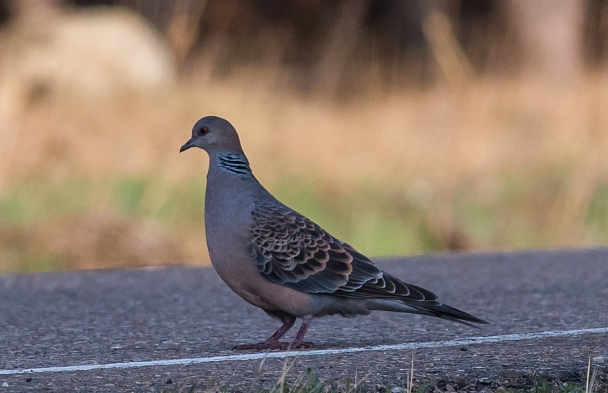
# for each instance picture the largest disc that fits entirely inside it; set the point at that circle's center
(319, 352)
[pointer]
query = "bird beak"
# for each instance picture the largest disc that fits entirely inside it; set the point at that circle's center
(187, 145)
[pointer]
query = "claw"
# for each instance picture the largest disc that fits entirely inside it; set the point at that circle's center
(272, 346)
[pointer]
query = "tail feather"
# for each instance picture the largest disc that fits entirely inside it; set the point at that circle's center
(431, 308)
(450, 313)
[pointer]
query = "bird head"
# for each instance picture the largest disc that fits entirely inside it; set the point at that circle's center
(213, 134)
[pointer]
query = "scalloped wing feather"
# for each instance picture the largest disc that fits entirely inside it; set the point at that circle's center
(291, 250)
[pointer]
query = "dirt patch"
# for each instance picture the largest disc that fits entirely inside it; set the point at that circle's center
(89, 241)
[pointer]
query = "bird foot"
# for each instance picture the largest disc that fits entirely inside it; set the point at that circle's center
(274, 345)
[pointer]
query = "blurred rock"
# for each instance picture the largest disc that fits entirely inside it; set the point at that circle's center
(98, 52)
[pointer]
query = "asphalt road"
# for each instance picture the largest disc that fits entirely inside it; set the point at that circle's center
(119, 317)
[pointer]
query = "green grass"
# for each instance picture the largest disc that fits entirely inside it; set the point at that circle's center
(309, 382)
(597, 215)
(38, 200)
(545, 386)
(378, 219)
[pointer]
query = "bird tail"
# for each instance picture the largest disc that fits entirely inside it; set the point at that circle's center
(450, 313)
(426, 307)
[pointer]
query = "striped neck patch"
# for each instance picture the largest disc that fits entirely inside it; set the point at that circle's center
(233, 163)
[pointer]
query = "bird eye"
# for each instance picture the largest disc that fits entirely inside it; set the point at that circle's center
(203, 131)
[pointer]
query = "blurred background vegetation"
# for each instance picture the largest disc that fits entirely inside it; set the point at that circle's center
(400, 126)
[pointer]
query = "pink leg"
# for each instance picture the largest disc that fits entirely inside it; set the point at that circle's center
(288, 324)
(299, 342)
(273, 341)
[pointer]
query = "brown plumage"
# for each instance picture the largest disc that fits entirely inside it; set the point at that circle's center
(282, 262)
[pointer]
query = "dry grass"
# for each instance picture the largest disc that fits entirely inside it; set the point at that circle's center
(488, 163)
